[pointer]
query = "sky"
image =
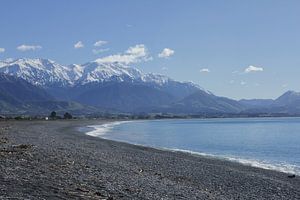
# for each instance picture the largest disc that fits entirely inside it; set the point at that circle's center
(238, 49)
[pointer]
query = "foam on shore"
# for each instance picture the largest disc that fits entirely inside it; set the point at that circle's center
(281, 167)
(101, 130)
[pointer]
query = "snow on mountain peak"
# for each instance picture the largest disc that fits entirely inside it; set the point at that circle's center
(37, 71)
(291, 92)
(47, 72)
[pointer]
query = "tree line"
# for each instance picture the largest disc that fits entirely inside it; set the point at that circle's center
(53, 115)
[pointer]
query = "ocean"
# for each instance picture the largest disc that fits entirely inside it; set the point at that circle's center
(270, 143)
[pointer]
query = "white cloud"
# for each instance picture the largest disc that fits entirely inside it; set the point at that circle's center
(204, 70)
(100, 43)
(231, 81)
(164, 68)
(166, 52)
(135, 54)
(78, 45)
(243, 83)
(284, 85)
(252, 68)
(25, 47)
(2, 50)
(98, 51)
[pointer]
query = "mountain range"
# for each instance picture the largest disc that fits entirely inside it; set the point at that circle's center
(42, 85)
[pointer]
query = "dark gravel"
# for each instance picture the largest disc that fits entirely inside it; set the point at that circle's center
(52, 160)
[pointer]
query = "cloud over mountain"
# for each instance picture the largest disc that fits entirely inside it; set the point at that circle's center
(135, 54)
(166, 52)
(100, 43)
(98, 51)
(78, 45)
(204, 70)
(25, 47)
(252, 68)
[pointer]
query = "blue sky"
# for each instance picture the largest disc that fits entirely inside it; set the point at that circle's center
(238, 49)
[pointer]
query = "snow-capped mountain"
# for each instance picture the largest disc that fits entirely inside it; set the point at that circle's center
(45, 72)
(117, 87)
(40, 71)
(104, 85)
(104, 72)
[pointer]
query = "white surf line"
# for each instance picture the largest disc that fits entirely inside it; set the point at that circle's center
(102, 129)
(281, 167)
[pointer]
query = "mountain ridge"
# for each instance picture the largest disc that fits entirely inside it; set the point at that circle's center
(74, 82)
(40, 71)
(118, 87)
(19, 96)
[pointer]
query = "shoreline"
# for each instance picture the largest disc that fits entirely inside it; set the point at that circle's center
(54, 160)
(100, 131)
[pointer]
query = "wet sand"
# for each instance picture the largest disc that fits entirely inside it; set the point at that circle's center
(52, 160)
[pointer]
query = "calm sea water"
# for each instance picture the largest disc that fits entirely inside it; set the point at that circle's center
(272, 143)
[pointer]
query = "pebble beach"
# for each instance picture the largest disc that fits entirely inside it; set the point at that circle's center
(54, 160)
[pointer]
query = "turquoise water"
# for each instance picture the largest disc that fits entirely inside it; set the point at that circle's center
(272, 143)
